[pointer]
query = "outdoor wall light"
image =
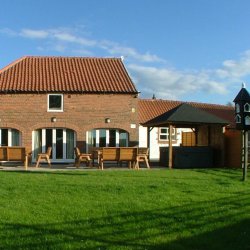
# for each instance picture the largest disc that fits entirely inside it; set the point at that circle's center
(107, 120)
(53, 119)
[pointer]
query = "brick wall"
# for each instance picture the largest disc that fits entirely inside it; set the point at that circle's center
(82, 112)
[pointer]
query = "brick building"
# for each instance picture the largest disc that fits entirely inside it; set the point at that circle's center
(67, 101)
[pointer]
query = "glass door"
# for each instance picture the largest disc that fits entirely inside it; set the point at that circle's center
(59, 144)
(62, 142)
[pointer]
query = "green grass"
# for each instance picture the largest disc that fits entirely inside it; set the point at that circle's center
(160, 209)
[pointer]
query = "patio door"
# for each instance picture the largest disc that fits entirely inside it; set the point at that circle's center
(61, 140)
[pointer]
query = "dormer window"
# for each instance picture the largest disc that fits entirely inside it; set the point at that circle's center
(55, 103)
(237, 108)
(247, 107)
(247, 120)
(238, 119)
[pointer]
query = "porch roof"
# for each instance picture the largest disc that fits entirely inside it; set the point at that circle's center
(185, 115)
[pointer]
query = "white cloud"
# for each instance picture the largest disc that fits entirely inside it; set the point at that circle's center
(172, 84)
(235, 70)
(68, 37)
(127, 52)
(8, 32)
(60, 34)
(34, 34)
(74, 38)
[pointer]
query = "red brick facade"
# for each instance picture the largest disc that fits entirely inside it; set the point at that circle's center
(82, 112)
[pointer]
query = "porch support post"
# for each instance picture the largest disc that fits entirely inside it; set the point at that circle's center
(148, 140)
(170, 147)
(148, 137)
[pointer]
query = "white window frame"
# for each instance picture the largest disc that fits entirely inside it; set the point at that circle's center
(55, 110)
(247, 107)
(167, 134)
(238, 119)
(247, 120)
(10, 143)
(117, 142)
(237, 108)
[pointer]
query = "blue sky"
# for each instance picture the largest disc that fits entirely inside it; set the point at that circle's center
(190, 50)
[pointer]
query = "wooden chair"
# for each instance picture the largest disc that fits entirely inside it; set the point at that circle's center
(143, 156)
(96, 155)
(44, 156)
(81, 157)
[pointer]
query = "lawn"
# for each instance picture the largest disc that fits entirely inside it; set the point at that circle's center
(153, 209)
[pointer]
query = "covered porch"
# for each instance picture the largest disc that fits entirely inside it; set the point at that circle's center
(207, 148)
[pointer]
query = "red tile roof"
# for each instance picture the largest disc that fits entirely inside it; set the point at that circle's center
(66, 74)
(151, 108)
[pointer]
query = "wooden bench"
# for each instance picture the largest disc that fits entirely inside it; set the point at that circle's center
(119, 155)
(15, 154)
(109, 154)
(129, 155)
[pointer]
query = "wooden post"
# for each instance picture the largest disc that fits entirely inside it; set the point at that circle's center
(148, 141)
(170, 147)
(148, 137)
(245, 155)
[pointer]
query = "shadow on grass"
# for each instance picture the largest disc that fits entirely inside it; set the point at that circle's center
(222, 172)
(235, 236)
(222, 224)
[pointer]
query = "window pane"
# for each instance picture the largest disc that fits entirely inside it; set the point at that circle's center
(123, 139)
(15, 137)
(59, 144)
(69, 144)
(102, 139)
(37, 142)
(4, 136)
(164, 131)
(55, 102)
(48, 138)
(237, 108)
(112, 138)
(92, 138)
(163, 137)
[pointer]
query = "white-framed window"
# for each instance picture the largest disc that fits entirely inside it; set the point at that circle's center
(247, 120)
(238, 119)
(247, 107)
(237, 108)
(164, 134)
(107, 138)
(10, 137)
(55, 103)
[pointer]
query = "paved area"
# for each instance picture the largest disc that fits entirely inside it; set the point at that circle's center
(65, 167)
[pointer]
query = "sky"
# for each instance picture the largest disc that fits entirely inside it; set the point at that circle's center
(187, 50)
